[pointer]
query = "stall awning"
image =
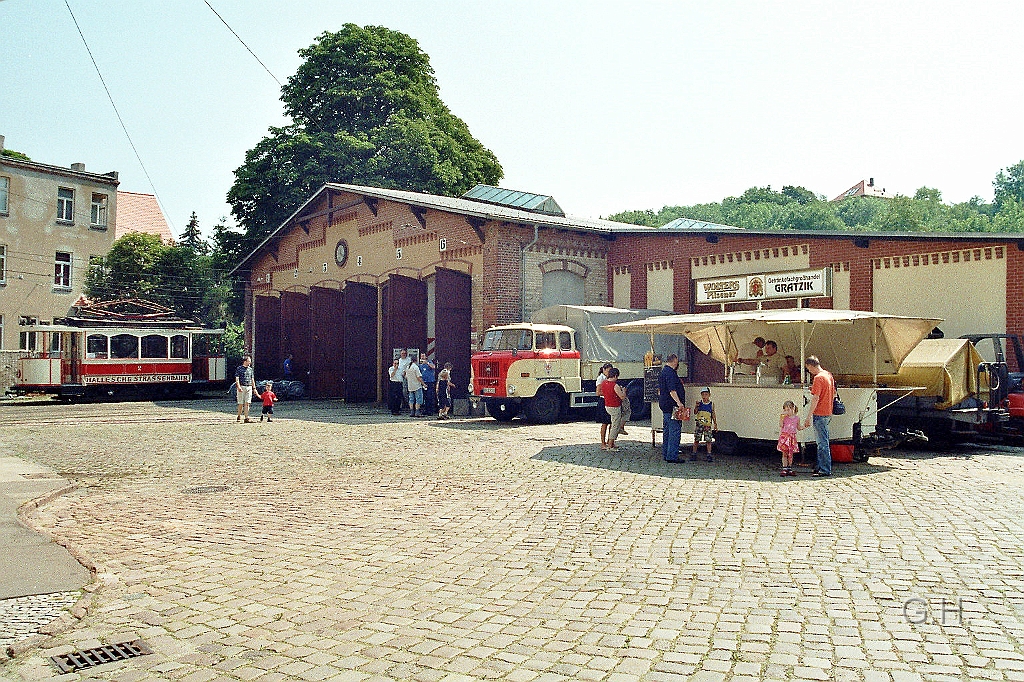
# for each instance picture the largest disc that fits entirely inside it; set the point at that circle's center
(842, 339)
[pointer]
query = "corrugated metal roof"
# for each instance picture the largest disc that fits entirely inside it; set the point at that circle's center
(527, 201)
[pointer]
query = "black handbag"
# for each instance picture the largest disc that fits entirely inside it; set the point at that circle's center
(837, 403)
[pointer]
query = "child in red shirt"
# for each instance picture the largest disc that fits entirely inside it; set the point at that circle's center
(269, 398)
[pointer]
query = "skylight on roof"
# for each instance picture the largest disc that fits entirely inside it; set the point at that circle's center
(524, 201)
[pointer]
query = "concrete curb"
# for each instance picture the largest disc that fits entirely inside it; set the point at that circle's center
(80, 610)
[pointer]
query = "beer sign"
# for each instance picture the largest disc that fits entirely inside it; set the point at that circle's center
(763, 287)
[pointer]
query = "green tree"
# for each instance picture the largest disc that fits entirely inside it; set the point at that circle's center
(125, 272)
(800, 195)
(366, 110)
(139, 265)
(1010, 217)
(763, 195)
(1009, 183)
(647, 218)
(192, 237)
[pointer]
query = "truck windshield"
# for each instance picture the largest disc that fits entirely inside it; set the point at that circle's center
(508, 339)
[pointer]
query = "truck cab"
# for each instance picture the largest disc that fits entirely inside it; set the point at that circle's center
(527, 368)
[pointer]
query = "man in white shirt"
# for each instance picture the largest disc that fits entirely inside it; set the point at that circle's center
(774, 362)
(750, 356)
(414, 380)
(403, 364)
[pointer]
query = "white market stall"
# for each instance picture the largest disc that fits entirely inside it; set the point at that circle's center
(847, 342)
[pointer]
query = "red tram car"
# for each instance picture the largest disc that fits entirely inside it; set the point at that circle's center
(121, 349)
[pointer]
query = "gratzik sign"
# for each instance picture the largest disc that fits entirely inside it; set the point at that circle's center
(767, 286)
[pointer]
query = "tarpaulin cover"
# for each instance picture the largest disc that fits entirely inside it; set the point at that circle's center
(597, 344)
(940, 368)
(841, 339)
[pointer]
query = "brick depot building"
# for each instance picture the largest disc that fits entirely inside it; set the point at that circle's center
(359, 271)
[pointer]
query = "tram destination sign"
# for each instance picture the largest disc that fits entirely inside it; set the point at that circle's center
(765, 286)
(134, 378)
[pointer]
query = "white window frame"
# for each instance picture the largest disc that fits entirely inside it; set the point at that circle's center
(28, 341)
(98, 211)
(3, 264)
(65, 206)
(62, 270)
(1, 331)
(5, 195)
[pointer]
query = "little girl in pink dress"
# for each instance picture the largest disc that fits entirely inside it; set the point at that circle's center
(789, 424)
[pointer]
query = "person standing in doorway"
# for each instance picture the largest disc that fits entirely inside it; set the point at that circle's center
(444, 391)
(244, 388)
(670, 396)
(414, 381)
(427, 368)
(287, 367)
(819, 413)
(395, 399)
(403, 364)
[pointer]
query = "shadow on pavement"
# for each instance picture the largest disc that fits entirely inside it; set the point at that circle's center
(754, 464)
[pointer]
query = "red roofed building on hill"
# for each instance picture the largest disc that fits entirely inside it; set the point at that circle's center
(141, 213)
(863, 189)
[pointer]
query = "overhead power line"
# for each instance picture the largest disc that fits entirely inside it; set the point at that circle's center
(117, 113)
(243, 42)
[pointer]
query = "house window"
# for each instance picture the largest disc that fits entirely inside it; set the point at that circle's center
(62, 270)
(3, 264)
(5, 189)
(65, 205)
(98, 214)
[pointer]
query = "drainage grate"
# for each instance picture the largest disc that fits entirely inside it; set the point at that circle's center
(80, 660)
(204, 489)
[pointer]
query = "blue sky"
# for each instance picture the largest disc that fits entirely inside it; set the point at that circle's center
(606, 106)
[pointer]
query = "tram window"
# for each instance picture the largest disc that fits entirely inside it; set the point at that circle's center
(179, 346)
(54, 342)
(96, 346)
(154, 346)
(565, 340)
(124, 346)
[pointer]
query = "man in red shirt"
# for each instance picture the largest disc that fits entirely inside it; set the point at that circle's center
(823, 390)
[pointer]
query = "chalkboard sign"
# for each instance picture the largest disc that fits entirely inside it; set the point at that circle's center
(651, 383)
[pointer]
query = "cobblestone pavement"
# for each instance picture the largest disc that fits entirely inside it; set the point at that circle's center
(22, 617)
(350, 545)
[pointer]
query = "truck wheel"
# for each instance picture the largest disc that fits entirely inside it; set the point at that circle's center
(502, 410)
(544, 407)
(726, 443)
(640, 407)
